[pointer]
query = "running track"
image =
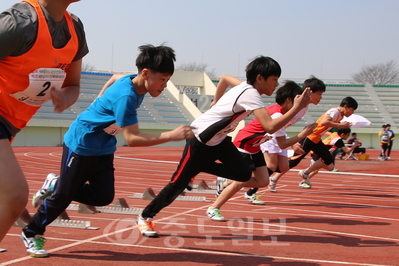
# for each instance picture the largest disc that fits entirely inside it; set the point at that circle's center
(347, 218)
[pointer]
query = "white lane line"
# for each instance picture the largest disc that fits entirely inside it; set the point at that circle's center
(93, 239)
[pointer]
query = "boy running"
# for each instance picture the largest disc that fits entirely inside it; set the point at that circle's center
(274, 150)
(313, 142)
(211, 142)
(87, 169)
(335, 143)
(248, 141)
(41, 51)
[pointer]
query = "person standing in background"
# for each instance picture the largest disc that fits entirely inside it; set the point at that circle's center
(391, 139)
(383, 137)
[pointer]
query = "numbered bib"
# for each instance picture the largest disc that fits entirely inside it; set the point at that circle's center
(40, 83)
(113, 129)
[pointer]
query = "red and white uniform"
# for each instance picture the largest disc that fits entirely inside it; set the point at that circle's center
(253, 136)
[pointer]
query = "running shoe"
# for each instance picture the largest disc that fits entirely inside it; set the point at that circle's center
(221, 184)
(272, 184)
(335, 170)
(254, 199)
(34, 245)
(306, 180)
(214, 214)
(46, 190)
(146, 226)
(303, 184)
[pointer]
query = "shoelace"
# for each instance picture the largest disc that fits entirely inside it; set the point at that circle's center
(217, 213)
(150, 225)
(40, 242)
(256, 197)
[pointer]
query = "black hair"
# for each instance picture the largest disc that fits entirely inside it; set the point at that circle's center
(156, 59)
(264, 66)
(349, 102)
(388, 125)
(314, 84)
(289, 90)
(354, 133)
(384, 126)
(341, 131)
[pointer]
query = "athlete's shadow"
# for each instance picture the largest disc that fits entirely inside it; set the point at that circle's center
(317, 238)
(332, 221)
(202, 256)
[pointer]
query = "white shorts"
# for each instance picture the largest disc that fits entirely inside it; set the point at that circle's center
(271, 146)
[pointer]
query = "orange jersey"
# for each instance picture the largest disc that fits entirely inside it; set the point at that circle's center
(331, 139)
(23, 79)
(320, 130)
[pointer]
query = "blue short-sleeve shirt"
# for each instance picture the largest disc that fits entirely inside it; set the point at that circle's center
(93, 132)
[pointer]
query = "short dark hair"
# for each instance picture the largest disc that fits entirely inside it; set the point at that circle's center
(156, 58)
(349, 102)
(289, 90)
(384, 126)
(353, 134)
(341, 131)
(314, 84)
(388, 125)
(262, 65)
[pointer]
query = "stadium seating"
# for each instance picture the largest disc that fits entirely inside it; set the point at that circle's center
(378, 103)
(161, 109)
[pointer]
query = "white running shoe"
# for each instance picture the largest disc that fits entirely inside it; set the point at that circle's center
(34, 245)
(214, 214)
(221, 184)
(146, 227)
(46, 190)
(254, 199)
(272, 184)
(306, 180)
(303, 184)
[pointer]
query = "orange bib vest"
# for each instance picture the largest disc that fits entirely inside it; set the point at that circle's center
(15, 70)
(320, 130)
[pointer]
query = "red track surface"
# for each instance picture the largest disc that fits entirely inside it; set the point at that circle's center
(347, 218)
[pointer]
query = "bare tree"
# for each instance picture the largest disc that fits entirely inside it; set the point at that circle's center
(380, 74)
(201, 67)
(87, 67)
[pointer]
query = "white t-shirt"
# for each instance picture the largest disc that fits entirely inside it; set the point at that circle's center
(281, 132)
(212, 127)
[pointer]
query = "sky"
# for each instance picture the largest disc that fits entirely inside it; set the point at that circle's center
(331, 40)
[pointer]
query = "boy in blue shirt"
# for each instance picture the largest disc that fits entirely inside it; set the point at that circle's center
(87, 171)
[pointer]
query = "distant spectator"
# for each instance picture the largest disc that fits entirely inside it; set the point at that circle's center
(383, 136)
(391, 138)
(351, 141)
